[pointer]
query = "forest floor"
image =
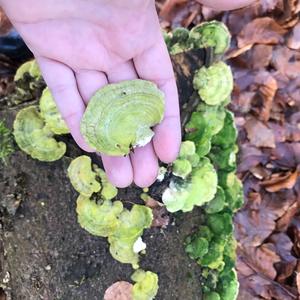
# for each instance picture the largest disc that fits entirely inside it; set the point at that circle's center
(265, 59)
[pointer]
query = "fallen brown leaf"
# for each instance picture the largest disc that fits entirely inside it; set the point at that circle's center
(286, 156)
(239, 17)
(284, 222)
(295, 233)
(267, 88)
(262, 288)
(286, 61)
(261, 56)
(243, 102)
(294, 39)
(121, 290)
(279, 182)
(250, 157)
(262, 259)
(160, 214)
(259, 134)
(297, 277)
(261, 31)
(168, 7)
(257, 220)
(288, 263)
(298, 281)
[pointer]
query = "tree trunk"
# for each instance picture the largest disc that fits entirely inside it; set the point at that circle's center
(45, 254)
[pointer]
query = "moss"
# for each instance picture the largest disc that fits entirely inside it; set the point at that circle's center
(6, 142)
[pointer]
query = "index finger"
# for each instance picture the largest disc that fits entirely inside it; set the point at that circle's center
(62, 84)
(155, 65)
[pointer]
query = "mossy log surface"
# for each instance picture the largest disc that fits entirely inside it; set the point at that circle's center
(45, 254)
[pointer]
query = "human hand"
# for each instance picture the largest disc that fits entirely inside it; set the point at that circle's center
(225, 4)
(83, 45)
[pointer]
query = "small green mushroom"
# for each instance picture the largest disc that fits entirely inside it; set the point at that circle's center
(186, 160)
(214, 84)
(100, 219)
(82, 177)
(130, 228)
(34, 138)
(179, 41)
(212, 34)
(31, 67)
(108, 191)
(51, 114)
(146, 285)
(119, 116)
(199, 189)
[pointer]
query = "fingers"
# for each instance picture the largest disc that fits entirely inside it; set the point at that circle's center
(145, 165)
(226, 5)
(118, 169)
(89, 82)
(144, 160)
(62, 84)
(155, 65)
(122, 72)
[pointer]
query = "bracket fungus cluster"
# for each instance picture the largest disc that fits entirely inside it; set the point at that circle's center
(101, 216)
(51, 115)
(198, 182)
(214, 84)
(208, 35)
(35, 126)
(119, 116)
(35, 138)
(31, 67)
(146, 285)
(204, 173)
(212, 34)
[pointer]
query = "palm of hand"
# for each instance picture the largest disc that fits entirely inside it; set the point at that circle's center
(80, 51)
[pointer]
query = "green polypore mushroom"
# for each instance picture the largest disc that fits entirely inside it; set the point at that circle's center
(119, 116)
(146, 285)
(180, 35)
(31, 67)
(82, 177)
(129, 230)
(88, 179)
(199, 189)
(211, 296)
(228, 286)
(51, 114)
(182, 168)
(206, 122)
(187, 159)
(108, 191)
(233, 189)
(212, 34)
(34, 138)
(197, 248)
(100, 219)
(217, 204)
(214, 84)
(179, 40)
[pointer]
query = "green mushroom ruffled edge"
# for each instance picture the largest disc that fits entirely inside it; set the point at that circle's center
(117, 129)
(31, 67)
(101, 216)
(35, 138)
(214, 35)
(51, 115)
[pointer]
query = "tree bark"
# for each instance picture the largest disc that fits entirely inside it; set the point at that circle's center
(45, 254)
